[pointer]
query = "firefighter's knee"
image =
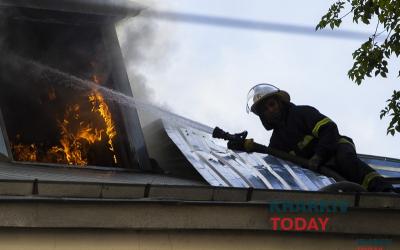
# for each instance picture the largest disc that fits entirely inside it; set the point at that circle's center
(346, 155)
(346, 159)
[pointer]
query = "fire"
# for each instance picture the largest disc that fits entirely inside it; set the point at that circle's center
(74, 139)
(25, 152)
(76, 134)
(101, 107)
(52, 93)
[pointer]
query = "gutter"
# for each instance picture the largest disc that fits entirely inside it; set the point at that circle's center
(165, 207)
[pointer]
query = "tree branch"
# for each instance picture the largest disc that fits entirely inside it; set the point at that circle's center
(374, 35)
(347, 13)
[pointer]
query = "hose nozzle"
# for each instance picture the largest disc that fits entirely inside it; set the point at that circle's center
(221, 134)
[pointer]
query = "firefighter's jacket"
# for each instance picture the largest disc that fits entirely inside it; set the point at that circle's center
(304, 131)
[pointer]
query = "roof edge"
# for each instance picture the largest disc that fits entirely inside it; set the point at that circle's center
(98, 7)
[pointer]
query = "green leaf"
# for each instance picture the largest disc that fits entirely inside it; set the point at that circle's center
(387, 53)
(393, 25)
(370, 57)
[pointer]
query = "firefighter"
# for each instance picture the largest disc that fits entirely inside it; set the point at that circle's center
(303, 131)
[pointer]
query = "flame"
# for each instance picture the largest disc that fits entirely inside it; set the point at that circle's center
(52, 93)
(74, 140)
(76, 134)
(25, 152)
(101, 107)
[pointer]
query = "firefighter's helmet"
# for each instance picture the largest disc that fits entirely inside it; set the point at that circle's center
(260, 92)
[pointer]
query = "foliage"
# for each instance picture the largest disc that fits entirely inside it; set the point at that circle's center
(372, 57)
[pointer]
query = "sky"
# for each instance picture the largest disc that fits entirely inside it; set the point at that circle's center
(203, 72)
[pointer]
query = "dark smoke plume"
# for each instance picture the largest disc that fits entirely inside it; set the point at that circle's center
(139, 38)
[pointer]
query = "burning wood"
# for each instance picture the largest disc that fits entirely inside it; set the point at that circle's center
(25, 152)
(58, 90)
(100, 106)
(76, 137)
(78, 132)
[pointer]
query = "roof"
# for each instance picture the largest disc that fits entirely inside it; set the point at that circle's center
(51, 196)
(189, 155)
(388, 167)
(220, 166)
(98, 7)
(44, 204)
(14, 171)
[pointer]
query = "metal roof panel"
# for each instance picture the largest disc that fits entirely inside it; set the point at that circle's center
(220, 166)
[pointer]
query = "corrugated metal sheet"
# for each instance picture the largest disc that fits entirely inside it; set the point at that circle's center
(220, 166)
(385, 166)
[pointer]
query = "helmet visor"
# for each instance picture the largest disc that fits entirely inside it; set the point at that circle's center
(258, 93)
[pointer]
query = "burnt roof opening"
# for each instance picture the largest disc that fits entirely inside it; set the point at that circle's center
(46, 121)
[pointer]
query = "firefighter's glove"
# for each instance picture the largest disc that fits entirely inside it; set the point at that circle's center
(315, 162)
(242, 145)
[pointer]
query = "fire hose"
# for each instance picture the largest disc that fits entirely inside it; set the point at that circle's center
(259, 148)
(341, 184)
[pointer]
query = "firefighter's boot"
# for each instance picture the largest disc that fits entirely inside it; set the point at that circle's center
(378, 184)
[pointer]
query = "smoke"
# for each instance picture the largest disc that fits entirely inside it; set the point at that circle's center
(143, 44)
(136, 38)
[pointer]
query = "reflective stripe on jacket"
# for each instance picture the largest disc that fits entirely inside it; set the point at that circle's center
(306, 132)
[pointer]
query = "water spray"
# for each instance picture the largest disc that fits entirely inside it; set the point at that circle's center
(71, 81)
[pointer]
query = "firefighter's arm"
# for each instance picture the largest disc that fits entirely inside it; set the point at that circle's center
(247, 145)
(324, 129)
(328, 135)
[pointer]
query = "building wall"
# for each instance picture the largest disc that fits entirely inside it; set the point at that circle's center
(46, 239)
